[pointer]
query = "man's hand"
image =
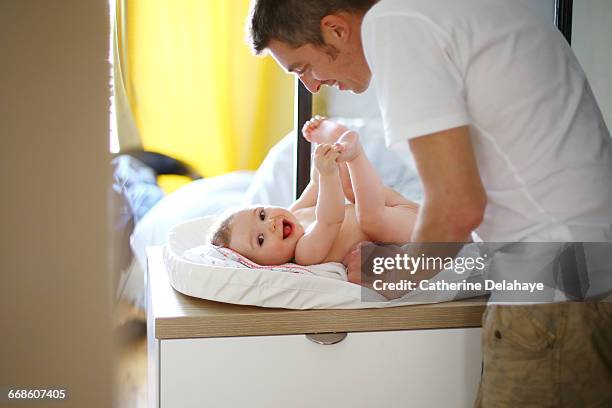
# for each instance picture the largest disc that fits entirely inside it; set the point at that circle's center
(352, 261)
(359, 255)
(401, 265)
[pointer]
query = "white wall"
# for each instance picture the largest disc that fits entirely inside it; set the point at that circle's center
(592, 43)
(54, 126)
(545, 7)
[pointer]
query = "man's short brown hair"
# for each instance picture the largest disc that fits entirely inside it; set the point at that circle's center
(295, 22)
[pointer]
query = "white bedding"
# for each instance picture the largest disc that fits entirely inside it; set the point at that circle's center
(269, 288)
(196, 199)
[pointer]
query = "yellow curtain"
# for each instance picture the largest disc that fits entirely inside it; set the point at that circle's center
(124, 132)
(197, 92)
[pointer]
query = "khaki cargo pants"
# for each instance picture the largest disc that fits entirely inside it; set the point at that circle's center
(549, 355)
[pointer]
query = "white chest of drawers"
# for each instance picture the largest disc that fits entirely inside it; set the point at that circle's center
(209, 354)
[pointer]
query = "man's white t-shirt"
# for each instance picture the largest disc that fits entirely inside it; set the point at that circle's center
(541, 144)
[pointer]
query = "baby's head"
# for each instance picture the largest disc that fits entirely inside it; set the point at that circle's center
(265, 235)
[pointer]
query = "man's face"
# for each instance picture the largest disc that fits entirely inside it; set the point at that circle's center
(317, 66)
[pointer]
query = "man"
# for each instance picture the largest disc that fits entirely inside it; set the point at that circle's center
(507, 139)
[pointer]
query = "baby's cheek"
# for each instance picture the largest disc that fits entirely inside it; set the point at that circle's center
(287, 249)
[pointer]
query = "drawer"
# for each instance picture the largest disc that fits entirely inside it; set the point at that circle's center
(420, 368)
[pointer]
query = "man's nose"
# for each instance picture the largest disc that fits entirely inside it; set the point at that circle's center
(313, 85)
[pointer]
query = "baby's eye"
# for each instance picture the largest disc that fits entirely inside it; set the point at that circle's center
(260, 239)
(262, 214)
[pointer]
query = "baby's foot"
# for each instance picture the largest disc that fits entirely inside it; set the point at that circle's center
(321, 130)
(348, 146)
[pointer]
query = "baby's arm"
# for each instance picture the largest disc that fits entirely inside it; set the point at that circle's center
(308, 198)
(314, 246)
(309, 195)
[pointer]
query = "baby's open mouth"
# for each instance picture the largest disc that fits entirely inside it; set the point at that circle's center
(287, 229)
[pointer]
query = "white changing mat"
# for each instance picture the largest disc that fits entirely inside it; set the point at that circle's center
(267, 287)
(215, 256)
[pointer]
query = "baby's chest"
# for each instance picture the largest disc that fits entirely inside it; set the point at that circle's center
(349, 235)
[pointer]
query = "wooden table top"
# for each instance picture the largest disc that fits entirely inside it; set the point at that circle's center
(179, 316)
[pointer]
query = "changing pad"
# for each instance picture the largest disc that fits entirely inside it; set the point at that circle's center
(270, 288)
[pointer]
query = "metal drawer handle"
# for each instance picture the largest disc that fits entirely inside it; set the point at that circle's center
(326, 339)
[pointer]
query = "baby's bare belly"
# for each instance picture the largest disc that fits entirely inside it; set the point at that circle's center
(349, 235)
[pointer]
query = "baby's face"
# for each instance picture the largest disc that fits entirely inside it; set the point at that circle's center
(266, 235)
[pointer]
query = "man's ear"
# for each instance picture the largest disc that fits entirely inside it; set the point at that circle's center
(335, 29)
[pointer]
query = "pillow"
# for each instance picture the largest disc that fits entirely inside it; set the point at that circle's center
(266, 288)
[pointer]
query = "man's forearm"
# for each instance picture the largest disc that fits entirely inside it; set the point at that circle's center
(455, 198)
(435, 224)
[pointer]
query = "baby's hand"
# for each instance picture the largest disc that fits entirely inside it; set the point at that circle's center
(325, 156)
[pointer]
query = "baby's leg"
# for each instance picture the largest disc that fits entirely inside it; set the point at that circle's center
(347, 186)
(321, 130)
(383, 214)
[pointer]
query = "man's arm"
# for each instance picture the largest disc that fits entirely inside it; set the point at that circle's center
(454, 198)
(453, 205)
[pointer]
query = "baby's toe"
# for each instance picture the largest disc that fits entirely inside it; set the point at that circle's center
(316, 121)
(306, 131)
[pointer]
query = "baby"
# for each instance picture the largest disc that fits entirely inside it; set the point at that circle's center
(319, 227)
